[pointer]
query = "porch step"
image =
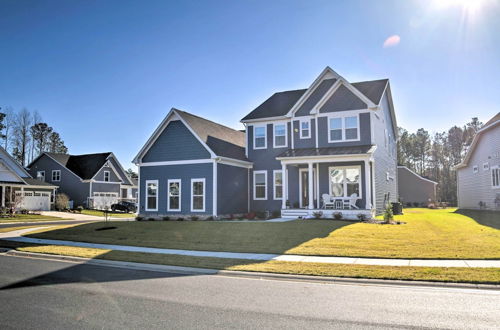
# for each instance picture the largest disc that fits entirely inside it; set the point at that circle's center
(294, 213)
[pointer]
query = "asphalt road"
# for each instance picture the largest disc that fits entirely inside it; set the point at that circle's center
(45, 294)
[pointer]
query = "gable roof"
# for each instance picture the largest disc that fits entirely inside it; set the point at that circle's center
(493, 122)
(279, 104)
(218, 139)
(402, 167)
(84, 166)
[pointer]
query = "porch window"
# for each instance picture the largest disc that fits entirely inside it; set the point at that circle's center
(260, 137)
(106, 176)
(278, 184)
(260, 185)
(174, 195)
(197, 195)
(495, 177)
(345, 181)
(305, 129)
(56, 175)
(279, 135)
(40, 175)
(152, 195)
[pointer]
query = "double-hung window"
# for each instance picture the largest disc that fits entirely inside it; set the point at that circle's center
(351, 128)
(278, 184)
(40, 175)
(151, 195)
(260, 137)
(345, 181)
(305, 129)
(279, 135)
(106, 176)
(174, 195)
(335, 129)
(197, 195)
(343, 129)
(495, 177)
(56, 175)
(260, 185)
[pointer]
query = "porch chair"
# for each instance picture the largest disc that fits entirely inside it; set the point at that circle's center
(352, 201)
(327, 201)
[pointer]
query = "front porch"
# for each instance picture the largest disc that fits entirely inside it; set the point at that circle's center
(329, 184)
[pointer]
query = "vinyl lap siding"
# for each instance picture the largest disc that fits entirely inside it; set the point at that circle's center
(232, 189)
(477, 187)
(176, 142)
(365, 132)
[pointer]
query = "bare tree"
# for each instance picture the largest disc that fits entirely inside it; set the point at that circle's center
(8, 126)
(22, 135)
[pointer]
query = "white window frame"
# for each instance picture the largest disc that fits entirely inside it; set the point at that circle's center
(38, 175)
(204, 194)
(274, 185)
(475, 169)
(302, 135)
(58, 172)
(265, 136)
(286, 134)
(109, 176)
(254, 186)
(493, 170)
(179, 181)
(343, 128)
(147, 196)
(486, 166)
(344, 184)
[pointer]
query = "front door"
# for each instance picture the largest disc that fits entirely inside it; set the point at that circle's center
(304, 187)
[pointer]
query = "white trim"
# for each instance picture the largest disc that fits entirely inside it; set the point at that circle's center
(274, 185)
(316, 131)
(344, 184)
(486, 166)
(52, 176)
(110, 165)
(67, 169)
(472, 146)
(138, 189)
(104, 176)
(214, 189)
(323, 159)
(265, 136)
(204, 194)
(329, 93)
(286, 134)
(254, 186)
(179, 181)
(495, 169)
(121, 168)
(177, 162)
(419, 176)
(234, 162)
(261, 120)
(308, 121)
(315, 175)
(37, 175)
(157, 194)
(343, 128)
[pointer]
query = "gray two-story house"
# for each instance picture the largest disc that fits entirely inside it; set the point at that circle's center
(330, 148)
(90, 180)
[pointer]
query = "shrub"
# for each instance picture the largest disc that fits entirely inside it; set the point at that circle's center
(180, 219)
(210, 218)
(79, 208)
(388, 214)
(337, 215)
(151, 219)
(361, 216)
(251, 216)
(296, 205)
(139, 218)
(276, 214)
(432, 206)
(261, 215)
(62, 202)
(194, 218)
(318, 214)
(165, 218)
(416, 204)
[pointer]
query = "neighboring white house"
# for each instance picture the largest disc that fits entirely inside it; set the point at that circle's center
(478, 175)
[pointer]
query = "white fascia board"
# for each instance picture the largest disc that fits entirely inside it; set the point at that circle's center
(177, 162)
(328, 94)
(417, 175)
(233, 162)
(112, 167)
(121, 168)
(14, 162)
(472, 146)
(265, 119)
(323, 159)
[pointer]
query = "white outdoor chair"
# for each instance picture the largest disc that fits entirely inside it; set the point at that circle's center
(352, 201)
(339, 204)
(327, 201)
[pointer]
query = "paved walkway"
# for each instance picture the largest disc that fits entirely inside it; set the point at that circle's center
(79, 216)
(16, 237)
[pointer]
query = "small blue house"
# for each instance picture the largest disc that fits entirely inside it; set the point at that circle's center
(330, 147)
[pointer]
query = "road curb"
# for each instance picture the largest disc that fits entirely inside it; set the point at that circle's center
(250, 275)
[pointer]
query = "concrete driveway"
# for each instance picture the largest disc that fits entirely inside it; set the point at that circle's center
(74, 216)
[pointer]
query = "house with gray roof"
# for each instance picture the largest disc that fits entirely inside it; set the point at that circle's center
(478, 175)
(90, 180)
(19, 190)
(330, 147)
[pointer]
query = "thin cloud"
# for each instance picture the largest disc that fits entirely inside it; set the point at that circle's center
(392, 41)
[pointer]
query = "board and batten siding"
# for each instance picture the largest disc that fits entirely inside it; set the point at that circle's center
(176, 142)
(477, 187)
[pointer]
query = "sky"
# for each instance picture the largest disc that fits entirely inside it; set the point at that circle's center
(105, 73)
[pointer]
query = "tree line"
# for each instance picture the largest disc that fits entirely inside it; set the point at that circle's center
(25, 135)
(434, 156)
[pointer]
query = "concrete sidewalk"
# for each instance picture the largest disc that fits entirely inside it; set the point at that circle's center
(16, 237)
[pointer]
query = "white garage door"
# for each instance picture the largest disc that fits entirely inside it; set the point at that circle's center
(35, 201)
(103, 201)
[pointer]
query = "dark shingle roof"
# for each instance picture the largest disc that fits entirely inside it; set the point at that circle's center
(332, 151)
(36, 182)
(224, 141)
(85, 166)
(280, 103)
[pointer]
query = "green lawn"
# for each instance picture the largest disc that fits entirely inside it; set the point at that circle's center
(427, 234)
(30, 218)
(98, 213)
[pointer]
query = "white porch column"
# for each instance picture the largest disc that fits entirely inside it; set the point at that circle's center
(3, 196)
(284, 181)
(311, 185)
(368, 187)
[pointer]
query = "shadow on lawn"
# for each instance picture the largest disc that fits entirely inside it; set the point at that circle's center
(483, 217)
(271, 238)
